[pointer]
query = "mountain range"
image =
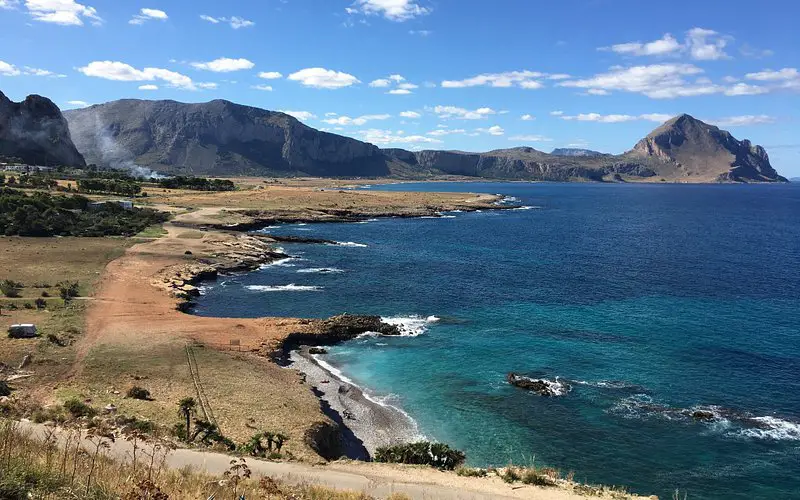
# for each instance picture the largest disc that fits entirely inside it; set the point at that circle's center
(221, 138)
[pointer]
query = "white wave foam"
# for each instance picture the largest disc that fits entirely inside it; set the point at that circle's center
(525, 207)
(285, 288)
(772, 428)
(367, 221)
(321, 270)
(287, 262)
(350, 244)
(605, 384)
(411, 326)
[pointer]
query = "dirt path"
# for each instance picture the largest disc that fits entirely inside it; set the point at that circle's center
(376, 480)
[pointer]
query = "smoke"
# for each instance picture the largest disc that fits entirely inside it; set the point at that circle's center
(90, 129)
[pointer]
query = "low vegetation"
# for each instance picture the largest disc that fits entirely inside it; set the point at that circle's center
(437, 455)
(196, 183)
(58, 465)
(43, 214)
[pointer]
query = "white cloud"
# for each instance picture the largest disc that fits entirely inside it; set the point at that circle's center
(300, 115)
(78, 104)
(769, 75)
(422, 33)
(615, 118)
(786, 78)
(527, 118)
(148, 14)
(445, 112)
(530, 138)
(8, 4)
(440, 132)
(149, 86)
(322, 78)
(744, 120)
(524, 79)
(597, 92)
(361, 120)
(265, 88)
(224, 65)
(235, 22)
(706, 45)
(401, 87)
(394, 10)
(745, 89)
(493, 130)
(410, 114)
(666, 45)
(270, 75)
(556, 113)
(121, 72)
(701, 44)
(42, 72)
(377, 136)
(657, 81)
(63, 12)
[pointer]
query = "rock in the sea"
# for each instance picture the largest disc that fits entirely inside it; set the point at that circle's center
(703, 415)
(317, 350)
(541, 387)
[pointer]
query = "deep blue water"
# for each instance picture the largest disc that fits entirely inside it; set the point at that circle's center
(657, 297)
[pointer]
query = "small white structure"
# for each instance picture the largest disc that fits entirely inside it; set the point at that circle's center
(126, 204)
(22, 331)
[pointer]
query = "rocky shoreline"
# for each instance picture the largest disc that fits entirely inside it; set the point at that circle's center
(365, 423)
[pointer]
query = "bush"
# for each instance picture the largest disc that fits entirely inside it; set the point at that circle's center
(40, 303)
(137, 392)
(78, 408)
(510, 475)
(538, 478)
(471, 472)
(68, 290)
(10, 288)
(437, 455)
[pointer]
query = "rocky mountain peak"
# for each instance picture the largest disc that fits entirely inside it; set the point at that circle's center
(36, 132)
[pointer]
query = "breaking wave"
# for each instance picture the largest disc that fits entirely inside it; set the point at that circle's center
(411, 326)
(349, 244)
(732, 423)
(321, 270)
(285, 288)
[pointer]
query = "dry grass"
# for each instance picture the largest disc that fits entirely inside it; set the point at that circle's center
(246, 393)
(60, 465)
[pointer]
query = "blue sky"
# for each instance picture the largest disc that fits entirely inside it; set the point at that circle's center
(447, 74)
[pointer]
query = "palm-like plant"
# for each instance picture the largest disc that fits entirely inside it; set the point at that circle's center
(187, 408)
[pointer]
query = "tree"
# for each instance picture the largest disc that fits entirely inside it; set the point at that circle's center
(188, 407)
(68, 290)
(10, 288)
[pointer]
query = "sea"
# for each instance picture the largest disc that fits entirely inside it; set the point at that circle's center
(640, 304)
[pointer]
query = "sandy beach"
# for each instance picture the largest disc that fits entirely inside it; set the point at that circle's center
(367, 423)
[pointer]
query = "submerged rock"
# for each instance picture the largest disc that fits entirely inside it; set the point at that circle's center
(542, 387)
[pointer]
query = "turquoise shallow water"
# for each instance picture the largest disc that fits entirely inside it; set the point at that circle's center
(649, 300)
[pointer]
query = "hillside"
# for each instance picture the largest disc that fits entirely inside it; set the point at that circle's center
(226, 139)
(215, 138)
(35, 132)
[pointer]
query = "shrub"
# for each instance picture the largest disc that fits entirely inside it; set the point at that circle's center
(137, 392)
(40, 303)
(68, 290)
(28, 305)
(538, 478)
(471, 472)
(510, 475)
(10, 288)
(437, 455)
(78, 408)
